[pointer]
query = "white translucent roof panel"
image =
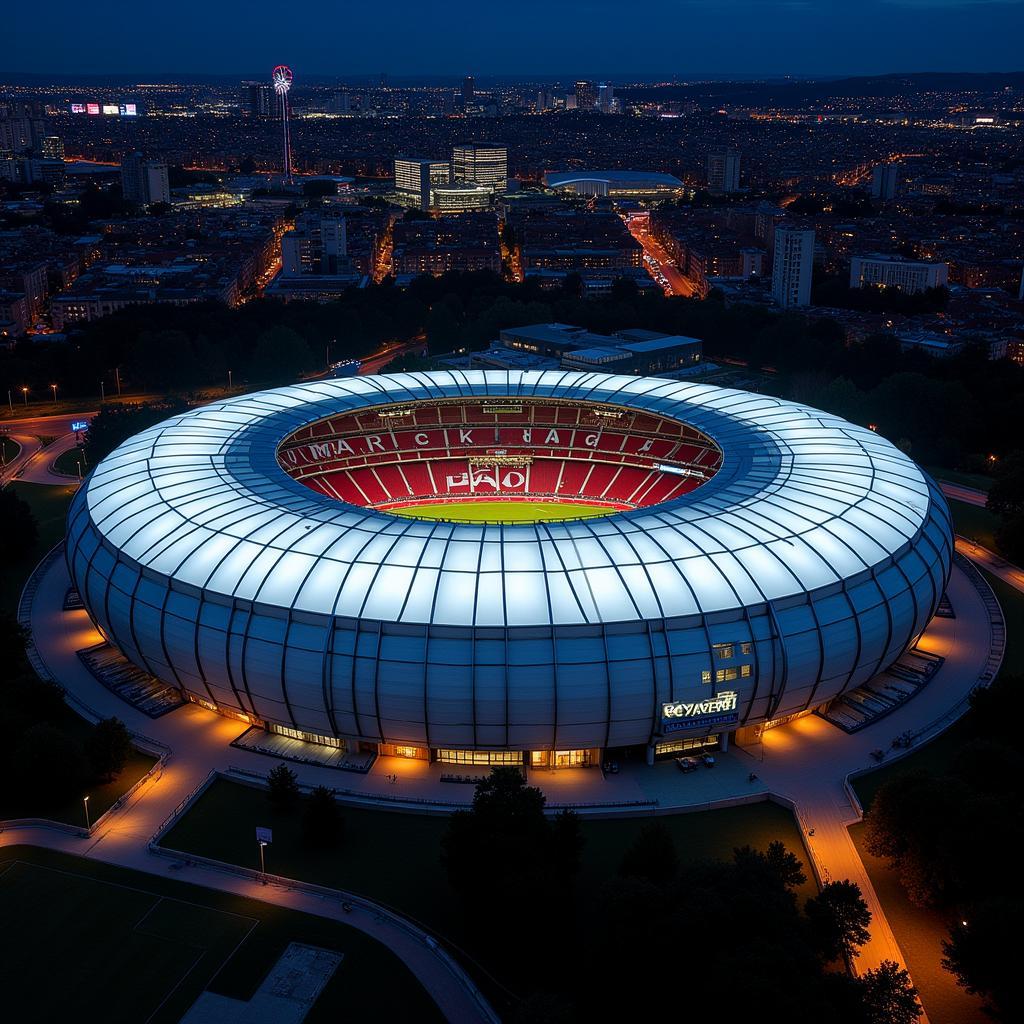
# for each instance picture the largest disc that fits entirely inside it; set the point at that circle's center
(803, 500)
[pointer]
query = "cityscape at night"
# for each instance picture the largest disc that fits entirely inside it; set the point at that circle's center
(512, 518)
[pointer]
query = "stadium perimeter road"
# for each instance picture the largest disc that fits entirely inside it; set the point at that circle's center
(805, 763)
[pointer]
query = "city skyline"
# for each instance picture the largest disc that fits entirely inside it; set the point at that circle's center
(760, 37)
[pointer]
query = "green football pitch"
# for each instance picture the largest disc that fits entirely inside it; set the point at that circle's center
(504, 511)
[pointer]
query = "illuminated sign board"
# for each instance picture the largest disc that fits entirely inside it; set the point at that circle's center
(111, 108)
(129, 110)
(77, 108)
(92, 108)
(78, 425)
(720, 710)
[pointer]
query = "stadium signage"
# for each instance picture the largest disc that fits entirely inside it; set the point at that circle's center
(719, 710)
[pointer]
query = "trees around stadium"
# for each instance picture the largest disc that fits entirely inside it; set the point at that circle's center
(509, 863)
(952, 836)
(283, 788)
(731, 936)
(322, 821)
(18, 528)
(108, 748)
(52, 756)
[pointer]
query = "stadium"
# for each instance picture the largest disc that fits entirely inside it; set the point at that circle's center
(541, 568)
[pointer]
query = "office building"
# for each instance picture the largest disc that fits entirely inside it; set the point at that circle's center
(586, 96)
(910, 276)
(415, 179)
(723, 170)
(144, 180)
(256, 99)
(468, 91)
(21, 134)
(605, 97)
(485, 163)
(793, 266)
(884, 180)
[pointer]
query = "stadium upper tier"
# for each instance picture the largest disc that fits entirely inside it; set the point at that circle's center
(767, 557)
(457, 451)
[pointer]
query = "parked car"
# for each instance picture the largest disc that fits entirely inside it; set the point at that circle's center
(687, 764)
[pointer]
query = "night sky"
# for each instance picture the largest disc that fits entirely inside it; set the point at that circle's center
(596, 38)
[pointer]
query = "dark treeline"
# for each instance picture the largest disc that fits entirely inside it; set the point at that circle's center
(953, 412)
(955, 838)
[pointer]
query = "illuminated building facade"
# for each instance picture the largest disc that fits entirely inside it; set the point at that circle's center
(756, 559)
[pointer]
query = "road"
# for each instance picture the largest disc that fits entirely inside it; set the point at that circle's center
(377, 362)
(968, 495)
(677, 283)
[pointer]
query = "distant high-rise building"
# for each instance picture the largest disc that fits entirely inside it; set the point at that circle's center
(21, 134)
(468, 91)
(318, 244)
(793, 266)
(144, 180)
(256, 99)
(415, 179)
(485, 163)
(884, 180)
(586, 96)
(53, 147)
(545, 100)
(910, 276)
(605, 97)
(339, 103)
(723, 169)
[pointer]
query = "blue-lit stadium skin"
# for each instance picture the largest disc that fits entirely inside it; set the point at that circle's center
(502, 685)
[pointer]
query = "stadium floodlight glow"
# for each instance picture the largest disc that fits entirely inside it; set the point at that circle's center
(244, 551)
(282, 78)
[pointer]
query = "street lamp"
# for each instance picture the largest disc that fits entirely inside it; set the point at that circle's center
(85, 804)
(53, 388)
(263, 869)
(229, 380)
(103, 394)
(24, 394)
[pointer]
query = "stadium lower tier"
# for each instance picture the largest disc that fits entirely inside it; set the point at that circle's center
(404, 484)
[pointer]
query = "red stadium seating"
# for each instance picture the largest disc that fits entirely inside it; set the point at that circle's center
(440, 452)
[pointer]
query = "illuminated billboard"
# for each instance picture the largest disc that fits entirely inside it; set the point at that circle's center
(92, 108)
(129, 110)
(111, 108)
(77, 108)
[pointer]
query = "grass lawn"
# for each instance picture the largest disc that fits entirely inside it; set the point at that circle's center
(976, 523)
(99, 943)
(68, 462)
(503, 511)
(49, 505)
(920, 931)
(394, 858)
(10, 448)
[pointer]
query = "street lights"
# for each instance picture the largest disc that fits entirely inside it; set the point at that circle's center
(53, 388)
(103, 394)
(85, 804)
(24, 394)
(263, 870)
(229, 380)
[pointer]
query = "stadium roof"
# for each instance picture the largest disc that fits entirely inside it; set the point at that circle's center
(555, 179)
(803, 500)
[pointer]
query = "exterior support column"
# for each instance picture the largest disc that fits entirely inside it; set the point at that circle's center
(723, 741)
(650, 754)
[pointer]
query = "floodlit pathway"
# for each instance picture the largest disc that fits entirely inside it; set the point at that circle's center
(805, 764)
(991, 562)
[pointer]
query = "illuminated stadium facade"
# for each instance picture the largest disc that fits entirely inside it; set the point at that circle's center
(304, 557)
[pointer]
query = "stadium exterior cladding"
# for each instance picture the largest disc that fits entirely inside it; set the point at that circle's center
(807, 564)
